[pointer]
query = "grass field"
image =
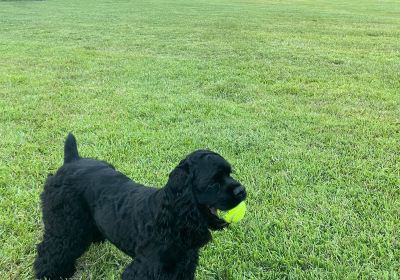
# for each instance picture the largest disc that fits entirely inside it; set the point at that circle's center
(302, 97)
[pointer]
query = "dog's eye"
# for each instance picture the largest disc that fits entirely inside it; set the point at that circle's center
(217, 176)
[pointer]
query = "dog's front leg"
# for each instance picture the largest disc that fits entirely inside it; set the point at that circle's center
(178, 265)
(186, 266)
(144, 268)
(152, 268)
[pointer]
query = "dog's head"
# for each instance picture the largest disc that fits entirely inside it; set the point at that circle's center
(208, 177)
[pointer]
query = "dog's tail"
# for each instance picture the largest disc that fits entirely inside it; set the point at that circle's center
(70, 149)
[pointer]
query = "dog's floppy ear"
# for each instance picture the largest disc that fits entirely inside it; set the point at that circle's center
(179, 210)
(180, 177)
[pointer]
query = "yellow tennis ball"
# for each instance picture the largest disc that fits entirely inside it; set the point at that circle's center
(235, 214)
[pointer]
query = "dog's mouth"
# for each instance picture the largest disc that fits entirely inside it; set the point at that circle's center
(213, 220)
(213, 211)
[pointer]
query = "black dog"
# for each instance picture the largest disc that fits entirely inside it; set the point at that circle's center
(87, 201)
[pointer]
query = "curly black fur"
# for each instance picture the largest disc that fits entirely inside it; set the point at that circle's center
(88, 201)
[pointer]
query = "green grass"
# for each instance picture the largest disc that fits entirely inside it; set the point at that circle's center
(302, 97)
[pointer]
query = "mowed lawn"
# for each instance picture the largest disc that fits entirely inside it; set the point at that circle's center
(302, 97)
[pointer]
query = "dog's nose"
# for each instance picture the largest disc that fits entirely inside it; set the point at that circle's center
(239, 192)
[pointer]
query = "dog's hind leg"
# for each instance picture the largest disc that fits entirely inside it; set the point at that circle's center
(67, 232)
(56, 256)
